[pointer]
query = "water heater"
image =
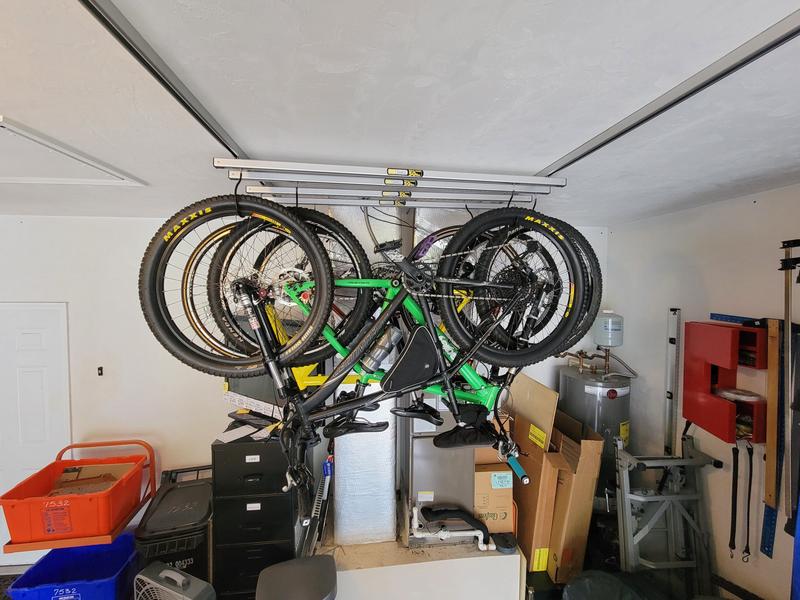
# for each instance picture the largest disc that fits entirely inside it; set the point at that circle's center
(604, 404)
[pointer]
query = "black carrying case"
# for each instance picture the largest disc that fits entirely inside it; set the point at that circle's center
(175, 529)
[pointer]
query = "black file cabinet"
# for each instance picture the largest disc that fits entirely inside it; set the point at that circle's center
(254, 521)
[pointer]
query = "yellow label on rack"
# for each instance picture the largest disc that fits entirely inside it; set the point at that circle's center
(537, 436)
(400, 182)
(404, 172)
(625, 432)
(539, 562)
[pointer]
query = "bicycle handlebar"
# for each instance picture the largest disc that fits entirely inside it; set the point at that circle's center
(518, 470)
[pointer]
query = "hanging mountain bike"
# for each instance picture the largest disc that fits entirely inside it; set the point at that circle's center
(237, 286)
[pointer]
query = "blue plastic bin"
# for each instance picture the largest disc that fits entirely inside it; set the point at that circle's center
(85, 573)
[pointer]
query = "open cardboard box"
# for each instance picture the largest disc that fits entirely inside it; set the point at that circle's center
(562, 458)
(580, 449)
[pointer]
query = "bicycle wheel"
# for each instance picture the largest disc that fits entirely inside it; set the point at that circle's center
(528, 275)
(248, 251)
(594, 288)
(171, 280)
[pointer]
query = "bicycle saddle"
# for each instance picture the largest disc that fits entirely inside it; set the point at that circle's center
(312, 578)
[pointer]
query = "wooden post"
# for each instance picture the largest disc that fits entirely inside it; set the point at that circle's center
(773, 400)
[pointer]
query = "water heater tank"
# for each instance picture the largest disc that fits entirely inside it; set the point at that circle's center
(602, 404)
(607, 330)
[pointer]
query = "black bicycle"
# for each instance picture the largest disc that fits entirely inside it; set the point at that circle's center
(239, 286)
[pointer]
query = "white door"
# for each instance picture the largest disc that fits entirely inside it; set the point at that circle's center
(34, 386)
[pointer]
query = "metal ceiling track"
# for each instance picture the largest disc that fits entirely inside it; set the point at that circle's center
(126, 34)
(309, 184)
(765, 42)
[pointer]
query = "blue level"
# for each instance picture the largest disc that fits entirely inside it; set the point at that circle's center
(729, 318)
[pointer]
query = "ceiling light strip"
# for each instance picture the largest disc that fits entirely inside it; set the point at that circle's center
(119, 178)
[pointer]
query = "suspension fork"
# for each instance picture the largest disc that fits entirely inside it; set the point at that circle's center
(249, 296)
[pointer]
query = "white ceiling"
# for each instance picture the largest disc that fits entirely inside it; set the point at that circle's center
(64, 76)
(456, 84)
(737, 137)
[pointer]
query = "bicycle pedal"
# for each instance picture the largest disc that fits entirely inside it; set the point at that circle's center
(335, 430)
(419, 411)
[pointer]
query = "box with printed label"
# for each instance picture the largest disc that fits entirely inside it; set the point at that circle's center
(494, 497)
(533, 407)
(535, 501)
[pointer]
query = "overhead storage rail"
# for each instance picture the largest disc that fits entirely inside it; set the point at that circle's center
(308, 183)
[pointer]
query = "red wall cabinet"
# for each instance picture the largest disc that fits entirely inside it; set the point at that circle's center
(712, 355)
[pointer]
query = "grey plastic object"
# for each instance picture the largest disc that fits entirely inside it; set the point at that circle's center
(158, 581)
(312, 578)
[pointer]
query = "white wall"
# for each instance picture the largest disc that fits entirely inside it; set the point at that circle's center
(718, 258)
(92, 264)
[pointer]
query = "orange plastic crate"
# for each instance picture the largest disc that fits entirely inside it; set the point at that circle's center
(32, 516)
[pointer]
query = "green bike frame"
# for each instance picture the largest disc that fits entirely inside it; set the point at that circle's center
(481, 392)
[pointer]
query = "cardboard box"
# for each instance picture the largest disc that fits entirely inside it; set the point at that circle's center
(535, 501)
(494, 497)
(533, 406)
(536, 403)
(486, 455)
(580, 449)
(89, 479)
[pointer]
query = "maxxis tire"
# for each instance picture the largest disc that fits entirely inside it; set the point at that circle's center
(535, 222)
(595, 294)
(151, 283)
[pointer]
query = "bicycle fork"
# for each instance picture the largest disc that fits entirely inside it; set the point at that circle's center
(246, 293)
(250, 297)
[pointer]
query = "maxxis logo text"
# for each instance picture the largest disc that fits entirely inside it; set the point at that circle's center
(185, 221)
(546, 225)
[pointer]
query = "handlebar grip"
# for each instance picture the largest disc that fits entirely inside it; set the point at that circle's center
(518, 470)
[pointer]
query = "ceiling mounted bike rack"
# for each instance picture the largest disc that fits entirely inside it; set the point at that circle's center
(337, 185)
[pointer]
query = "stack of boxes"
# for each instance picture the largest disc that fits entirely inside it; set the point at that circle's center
(562, 459)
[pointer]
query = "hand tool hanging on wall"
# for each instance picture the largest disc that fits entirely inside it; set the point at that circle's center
(746, 551)
(794, 415)
(734, 495)
(770, 521)
(788, 265)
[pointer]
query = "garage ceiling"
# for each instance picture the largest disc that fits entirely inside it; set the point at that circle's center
(65, 77)
(462, 85)
(739, 136)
